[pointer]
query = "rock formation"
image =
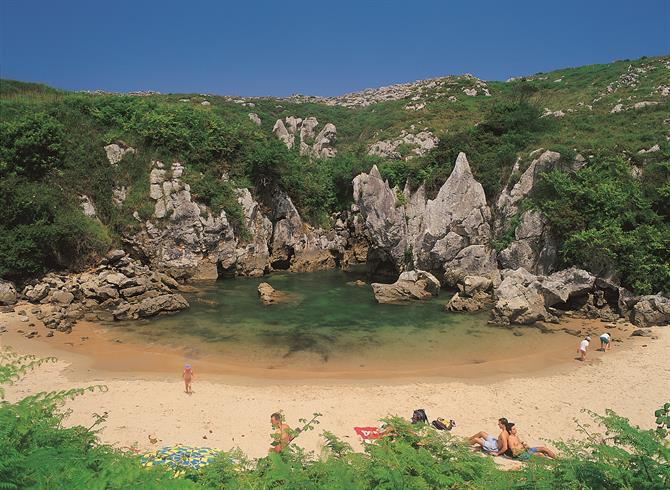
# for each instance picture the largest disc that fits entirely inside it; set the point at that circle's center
(448, 236)
(411, 285)
(7, 293)
(475, 293)
(269, 295)
(420, 144)
(321, 145)
(120, 288)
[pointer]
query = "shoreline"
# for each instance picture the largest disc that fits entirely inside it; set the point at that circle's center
(236, 411)
(97, 350)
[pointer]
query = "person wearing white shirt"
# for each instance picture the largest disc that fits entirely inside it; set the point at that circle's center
(583, 345)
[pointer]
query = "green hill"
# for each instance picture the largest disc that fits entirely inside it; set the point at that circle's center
(51, 153)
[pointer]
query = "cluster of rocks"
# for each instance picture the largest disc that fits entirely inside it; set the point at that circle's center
(418, 144)
(120, 288)
(414, 91)
(524, 298)
(321, 145)
(474, 293)
(411, 285)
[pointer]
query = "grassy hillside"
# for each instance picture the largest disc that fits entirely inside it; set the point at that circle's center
(51, 152)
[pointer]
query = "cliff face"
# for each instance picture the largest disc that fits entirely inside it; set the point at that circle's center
(188, 241)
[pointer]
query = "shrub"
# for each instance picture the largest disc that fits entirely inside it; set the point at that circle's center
(31, 146)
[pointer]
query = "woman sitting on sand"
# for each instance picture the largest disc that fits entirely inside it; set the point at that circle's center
(519, 450)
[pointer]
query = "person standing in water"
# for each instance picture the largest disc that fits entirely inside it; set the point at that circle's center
(583, 345)
(605, 341)
(188, 378)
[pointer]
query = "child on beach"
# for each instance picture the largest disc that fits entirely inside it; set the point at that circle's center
(605, 341)
(188, 377)
(583, 345)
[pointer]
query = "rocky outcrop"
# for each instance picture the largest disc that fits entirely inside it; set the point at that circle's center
(269, 295)
(448, 236)
(7, 293)
(184, 239)
(418, 143)
(518, 300)
(253, 117)
(120, 288)
(651, 310)
(411, 285)
(524, 298)
(86, 205)
(475, 293)
(534, 247)
(321, 145)
(116, 151)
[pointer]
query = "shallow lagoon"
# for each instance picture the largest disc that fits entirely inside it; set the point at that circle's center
(330, 325)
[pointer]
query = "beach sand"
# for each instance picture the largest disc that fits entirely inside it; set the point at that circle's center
(147, 401)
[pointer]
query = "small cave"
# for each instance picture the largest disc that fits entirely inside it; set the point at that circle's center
(282, 261)
(225, 272)
(381, 267)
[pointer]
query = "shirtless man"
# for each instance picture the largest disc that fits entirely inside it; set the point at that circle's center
(282, 434)
(490, 444)
(520, 450)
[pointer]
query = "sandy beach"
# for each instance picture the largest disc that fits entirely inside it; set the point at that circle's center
(233, 411)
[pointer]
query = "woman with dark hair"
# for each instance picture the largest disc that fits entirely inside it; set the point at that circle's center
(519, 450)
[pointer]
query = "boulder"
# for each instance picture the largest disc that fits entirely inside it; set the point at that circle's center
(253, 117)
(161, 304)
(651, 310)
(411, 285)
(461, 303)
(36, 293)
(269, 296)
(475, 284)
(62, 297)
(567, 284)
(519, 300)
(116, 151)
(7, 293)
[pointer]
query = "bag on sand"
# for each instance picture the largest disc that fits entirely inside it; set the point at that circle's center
(441, 424)
(419, 416)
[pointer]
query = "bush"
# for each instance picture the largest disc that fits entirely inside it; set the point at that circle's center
(608, 223)
(40, 228)
(31, 146)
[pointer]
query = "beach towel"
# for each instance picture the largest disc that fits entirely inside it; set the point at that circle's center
(368, 433)
(180, 457)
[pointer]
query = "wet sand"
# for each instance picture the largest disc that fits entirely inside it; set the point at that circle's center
(145, 397)
(95, 348)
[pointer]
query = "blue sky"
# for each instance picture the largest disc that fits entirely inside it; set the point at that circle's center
(317, 47)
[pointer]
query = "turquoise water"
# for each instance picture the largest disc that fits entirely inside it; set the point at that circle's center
(328, 323)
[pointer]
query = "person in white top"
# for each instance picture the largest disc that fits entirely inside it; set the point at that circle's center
(605, 341)
(583, 345)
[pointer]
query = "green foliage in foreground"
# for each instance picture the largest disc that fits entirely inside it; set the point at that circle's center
(37, 451)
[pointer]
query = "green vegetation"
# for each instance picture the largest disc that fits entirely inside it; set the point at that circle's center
(37, 451)
(611, 221)
(51, 144)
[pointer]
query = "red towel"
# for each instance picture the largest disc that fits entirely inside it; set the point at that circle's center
(368, 432)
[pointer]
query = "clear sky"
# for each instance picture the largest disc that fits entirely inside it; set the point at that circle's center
(313, 47)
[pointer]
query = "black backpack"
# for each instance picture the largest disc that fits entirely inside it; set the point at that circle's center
(419, 416)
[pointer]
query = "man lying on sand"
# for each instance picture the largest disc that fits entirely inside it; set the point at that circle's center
(490, 444)
(520, 450)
